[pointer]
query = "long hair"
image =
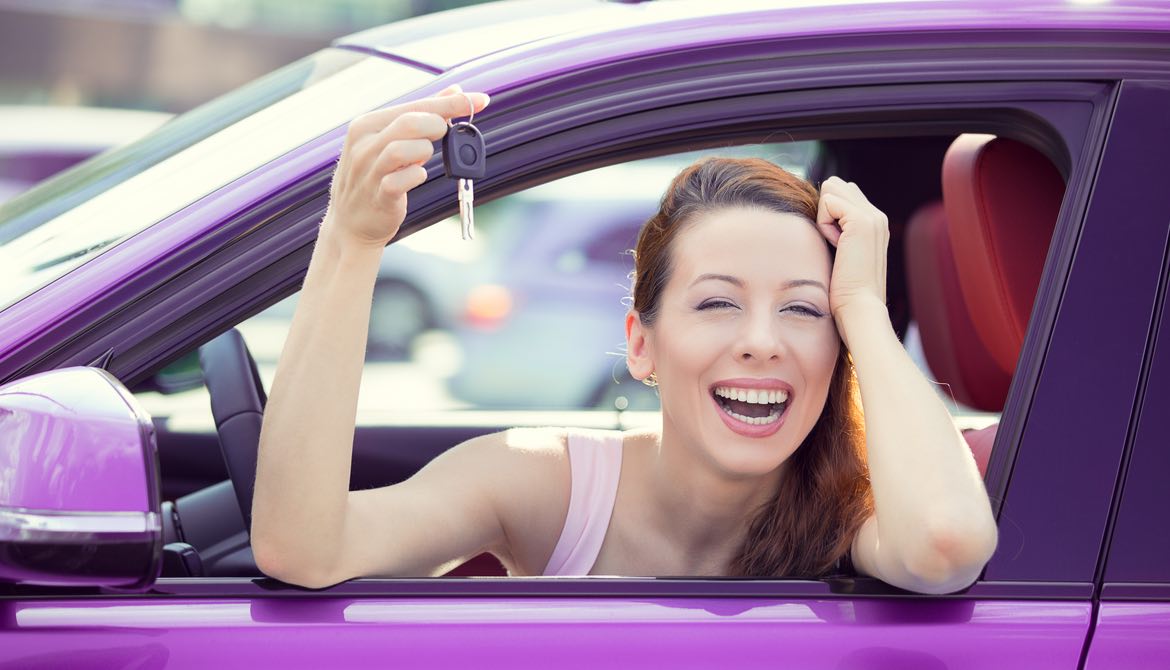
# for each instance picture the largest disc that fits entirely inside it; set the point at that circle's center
(806, 527)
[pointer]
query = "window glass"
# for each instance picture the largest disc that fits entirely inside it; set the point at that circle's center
(122, 192)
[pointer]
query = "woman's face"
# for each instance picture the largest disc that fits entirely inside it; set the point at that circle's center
(744, 346)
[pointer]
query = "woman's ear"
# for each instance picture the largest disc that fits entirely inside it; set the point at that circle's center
(637, 348)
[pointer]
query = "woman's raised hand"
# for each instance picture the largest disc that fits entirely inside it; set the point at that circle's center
(383, 158)
(861, 233)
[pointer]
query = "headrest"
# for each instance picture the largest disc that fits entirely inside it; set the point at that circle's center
(1002, 199)
(954, 351)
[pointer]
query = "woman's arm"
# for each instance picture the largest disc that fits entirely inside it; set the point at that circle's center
(933, 530)
(302, 525)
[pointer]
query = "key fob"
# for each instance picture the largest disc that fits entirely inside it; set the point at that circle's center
(464, 156)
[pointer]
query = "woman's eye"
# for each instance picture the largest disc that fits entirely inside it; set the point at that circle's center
(715, 303)
(805, 310)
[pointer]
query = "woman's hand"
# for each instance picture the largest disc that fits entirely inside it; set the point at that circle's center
(861, 233)
(383, 158)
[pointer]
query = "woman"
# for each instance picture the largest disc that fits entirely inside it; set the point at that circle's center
(742, 316)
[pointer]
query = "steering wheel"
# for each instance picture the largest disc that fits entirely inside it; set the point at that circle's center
(237, 404)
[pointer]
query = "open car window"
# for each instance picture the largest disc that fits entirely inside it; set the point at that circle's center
(524, 325)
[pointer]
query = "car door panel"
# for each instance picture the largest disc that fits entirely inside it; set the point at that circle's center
(580, 632)
(1132, 628)
(1131, 635)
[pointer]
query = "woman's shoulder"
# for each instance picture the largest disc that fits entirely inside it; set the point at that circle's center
(527, 470)
(531, 475)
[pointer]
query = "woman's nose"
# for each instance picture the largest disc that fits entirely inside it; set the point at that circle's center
(760, 338)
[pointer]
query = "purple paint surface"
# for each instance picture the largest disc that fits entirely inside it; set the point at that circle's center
(520, 633)
(1131, 635)
(69, 441)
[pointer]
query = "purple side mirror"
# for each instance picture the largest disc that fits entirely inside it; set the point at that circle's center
(79, 501)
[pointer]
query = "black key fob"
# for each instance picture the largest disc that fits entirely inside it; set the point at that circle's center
(463, 152)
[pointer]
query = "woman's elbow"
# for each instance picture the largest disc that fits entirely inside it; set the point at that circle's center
(953, 559)
(281, 565)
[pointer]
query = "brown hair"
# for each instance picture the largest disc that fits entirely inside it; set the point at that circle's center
(806, 528)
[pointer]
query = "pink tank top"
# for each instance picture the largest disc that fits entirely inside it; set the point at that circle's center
(595, 461)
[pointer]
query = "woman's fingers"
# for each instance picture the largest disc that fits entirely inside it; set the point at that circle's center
(401, 153)
(451, 104)
(394, 186)
(382, 159)
(860, 232)
(830, 209)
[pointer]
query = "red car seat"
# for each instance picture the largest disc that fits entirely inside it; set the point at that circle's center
(974, 264)
(1001, 199)
(955, 352)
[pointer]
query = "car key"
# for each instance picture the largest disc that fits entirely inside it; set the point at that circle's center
(464, 160)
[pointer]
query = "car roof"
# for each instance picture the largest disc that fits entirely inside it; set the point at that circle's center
(442, 41)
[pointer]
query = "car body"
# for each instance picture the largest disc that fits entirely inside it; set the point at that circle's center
(1081, 575)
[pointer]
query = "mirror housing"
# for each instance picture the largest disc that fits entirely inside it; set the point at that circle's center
(79, 484)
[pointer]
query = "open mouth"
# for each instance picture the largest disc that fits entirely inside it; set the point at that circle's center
(751, 406)
(751, 410)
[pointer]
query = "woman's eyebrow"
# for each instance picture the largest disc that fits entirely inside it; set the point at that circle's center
(736, 281)
(805, 282)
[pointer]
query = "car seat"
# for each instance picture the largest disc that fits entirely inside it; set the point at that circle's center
(973, 266)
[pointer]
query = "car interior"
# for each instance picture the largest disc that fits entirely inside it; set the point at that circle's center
(971, 219)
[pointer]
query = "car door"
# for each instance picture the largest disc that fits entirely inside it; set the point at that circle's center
(1033, 606)
(1132, 623)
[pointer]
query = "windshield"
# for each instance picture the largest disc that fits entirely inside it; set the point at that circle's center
(71, 218)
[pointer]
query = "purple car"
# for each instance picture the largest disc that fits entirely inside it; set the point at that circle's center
(1017, 148)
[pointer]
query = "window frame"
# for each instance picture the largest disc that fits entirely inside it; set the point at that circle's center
(996, 115)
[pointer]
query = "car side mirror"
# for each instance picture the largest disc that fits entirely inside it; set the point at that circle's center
(79, 488)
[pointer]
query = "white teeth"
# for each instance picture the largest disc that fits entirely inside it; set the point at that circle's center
(756, 420)
(752, 395)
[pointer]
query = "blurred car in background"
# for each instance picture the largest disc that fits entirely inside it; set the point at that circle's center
(560, 283)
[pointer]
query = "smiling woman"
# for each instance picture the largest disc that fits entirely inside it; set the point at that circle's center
(754, 329)
(749, 286)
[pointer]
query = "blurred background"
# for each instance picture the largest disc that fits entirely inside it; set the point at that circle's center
(169, 55)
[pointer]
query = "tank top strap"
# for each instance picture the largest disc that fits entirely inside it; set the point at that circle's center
(595, 461)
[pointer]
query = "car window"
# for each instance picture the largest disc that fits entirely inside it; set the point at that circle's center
(524, 324)
(122, 192)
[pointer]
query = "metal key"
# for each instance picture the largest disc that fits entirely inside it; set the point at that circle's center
(464, 160)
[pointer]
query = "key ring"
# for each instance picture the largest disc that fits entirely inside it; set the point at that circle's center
(470, 104)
